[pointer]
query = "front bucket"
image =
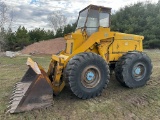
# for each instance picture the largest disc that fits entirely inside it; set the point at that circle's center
(32, 92)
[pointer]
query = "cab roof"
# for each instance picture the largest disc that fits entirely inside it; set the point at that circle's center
(102, 8)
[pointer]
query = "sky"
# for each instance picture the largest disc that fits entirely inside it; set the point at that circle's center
(33, 13)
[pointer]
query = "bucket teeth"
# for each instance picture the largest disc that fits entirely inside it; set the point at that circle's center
(17, 92)
(9, 106)
(16, 96)
(17, 88)
(14, 99)
(18, 83)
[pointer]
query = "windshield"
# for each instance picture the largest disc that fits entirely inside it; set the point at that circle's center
(92, 22)
(82, 19)
(104, 19)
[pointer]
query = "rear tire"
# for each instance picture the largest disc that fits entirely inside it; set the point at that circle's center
(133, 69)
(88, 75)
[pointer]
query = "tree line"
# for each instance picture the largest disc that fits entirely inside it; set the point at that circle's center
(142, 18)
(22, 37)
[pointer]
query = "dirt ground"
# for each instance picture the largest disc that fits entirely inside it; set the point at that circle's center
(45, 47)
(115, 103)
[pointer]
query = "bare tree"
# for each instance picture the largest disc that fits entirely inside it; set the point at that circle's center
(57, 20)
(3, 14)
(3, 19)
(6, 19)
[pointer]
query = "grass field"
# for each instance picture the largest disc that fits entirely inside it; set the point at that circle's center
(116, 102)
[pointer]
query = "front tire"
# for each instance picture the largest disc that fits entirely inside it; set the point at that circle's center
(88, 75)
(133, 69)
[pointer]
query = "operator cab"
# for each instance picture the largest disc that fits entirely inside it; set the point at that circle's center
(93, 17)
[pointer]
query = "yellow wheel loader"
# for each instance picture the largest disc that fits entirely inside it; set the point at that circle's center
(90, 53)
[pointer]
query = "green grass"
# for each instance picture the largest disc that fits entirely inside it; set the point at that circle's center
(116, 102)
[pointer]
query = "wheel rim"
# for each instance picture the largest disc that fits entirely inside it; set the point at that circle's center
(90, 77)
(139, 71)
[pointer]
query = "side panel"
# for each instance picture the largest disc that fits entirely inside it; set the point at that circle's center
(121, 46)
(123, 43)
